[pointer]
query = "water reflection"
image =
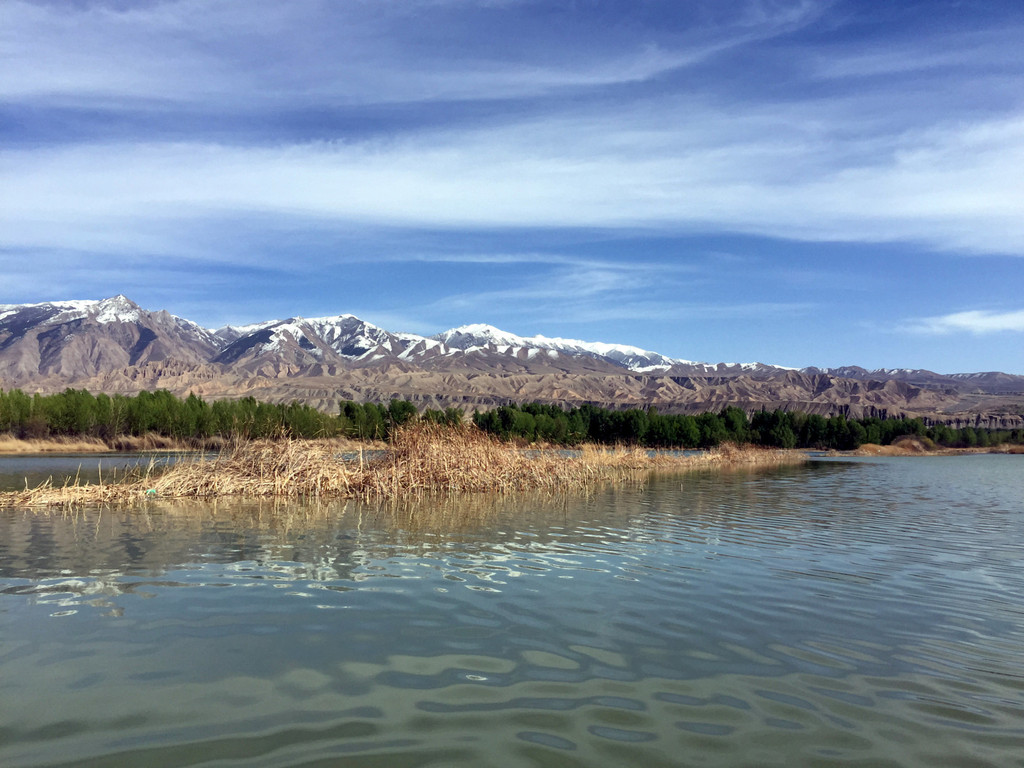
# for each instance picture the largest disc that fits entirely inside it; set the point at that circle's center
(843, 613)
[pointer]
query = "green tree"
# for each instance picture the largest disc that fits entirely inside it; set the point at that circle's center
(712, 430)
(735, 423)
(400, 412)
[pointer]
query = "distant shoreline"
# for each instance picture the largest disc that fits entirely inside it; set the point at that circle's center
(15, 446)
(148, 443)
(916, 446)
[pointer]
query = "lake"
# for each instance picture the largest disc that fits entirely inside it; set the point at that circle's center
(861, 612)
(18, 471)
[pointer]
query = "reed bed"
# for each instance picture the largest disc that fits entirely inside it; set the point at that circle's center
(732, 455)
(429, 459)
(422, 460)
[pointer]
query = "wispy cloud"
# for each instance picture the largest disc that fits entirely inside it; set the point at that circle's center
(975, 321)
(192, 51)
(879, 159)
(945, 53)
(576, 292)
(954, 187)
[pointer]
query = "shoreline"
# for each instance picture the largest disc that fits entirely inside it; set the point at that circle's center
(918, 447)
(148, 443)
(14, 446)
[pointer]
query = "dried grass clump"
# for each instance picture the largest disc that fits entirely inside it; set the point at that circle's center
(618, 457)
(431, 459)
(733, 455)
(261, 468)
(117, 490)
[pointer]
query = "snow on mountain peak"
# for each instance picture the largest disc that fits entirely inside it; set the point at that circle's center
(335, 319)
(59, 307)
(614, 351)
(117, 309)
(477, 335)
(357, 339)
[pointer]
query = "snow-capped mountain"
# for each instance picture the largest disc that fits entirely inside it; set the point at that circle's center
(346, 338)
(229, 333)
(116, 345)
(112, 310)
(471, 338)
(75, 338)
(68, 333)
(305, 341)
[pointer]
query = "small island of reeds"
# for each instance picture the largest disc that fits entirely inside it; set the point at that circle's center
(422, 459)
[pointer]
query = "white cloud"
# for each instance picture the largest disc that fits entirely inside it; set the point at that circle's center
(954, 187)
(849, 164)
(210, 52)
(975, 321)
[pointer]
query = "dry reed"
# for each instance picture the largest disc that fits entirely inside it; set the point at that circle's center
(151, 441)
(422, 460)
(10, 444)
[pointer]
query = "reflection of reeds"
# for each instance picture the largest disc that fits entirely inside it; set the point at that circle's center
(422, 460)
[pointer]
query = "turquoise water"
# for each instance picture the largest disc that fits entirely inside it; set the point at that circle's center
(846, 613)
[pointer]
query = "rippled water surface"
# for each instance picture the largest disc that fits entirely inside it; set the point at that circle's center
(847, 613)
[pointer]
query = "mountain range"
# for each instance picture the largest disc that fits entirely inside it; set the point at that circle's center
(114, 345)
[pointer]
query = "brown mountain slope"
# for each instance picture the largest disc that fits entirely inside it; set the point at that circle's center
(790, 390)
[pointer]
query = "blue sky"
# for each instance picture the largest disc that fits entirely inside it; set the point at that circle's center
(795, 182)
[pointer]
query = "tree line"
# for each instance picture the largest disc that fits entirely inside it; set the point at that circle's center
(76, 412)
(778, 429)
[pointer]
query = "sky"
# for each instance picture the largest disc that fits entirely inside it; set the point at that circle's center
(797, 182)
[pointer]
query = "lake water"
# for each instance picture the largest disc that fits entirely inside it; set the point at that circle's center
(30, 470)
(845, 613)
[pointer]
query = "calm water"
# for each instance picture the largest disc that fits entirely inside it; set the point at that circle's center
(21, 470)
(848, 613)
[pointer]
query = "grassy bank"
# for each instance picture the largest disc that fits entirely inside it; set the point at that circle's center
(922, 446)
(151, 441)
(121, 444)
(421, 460)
